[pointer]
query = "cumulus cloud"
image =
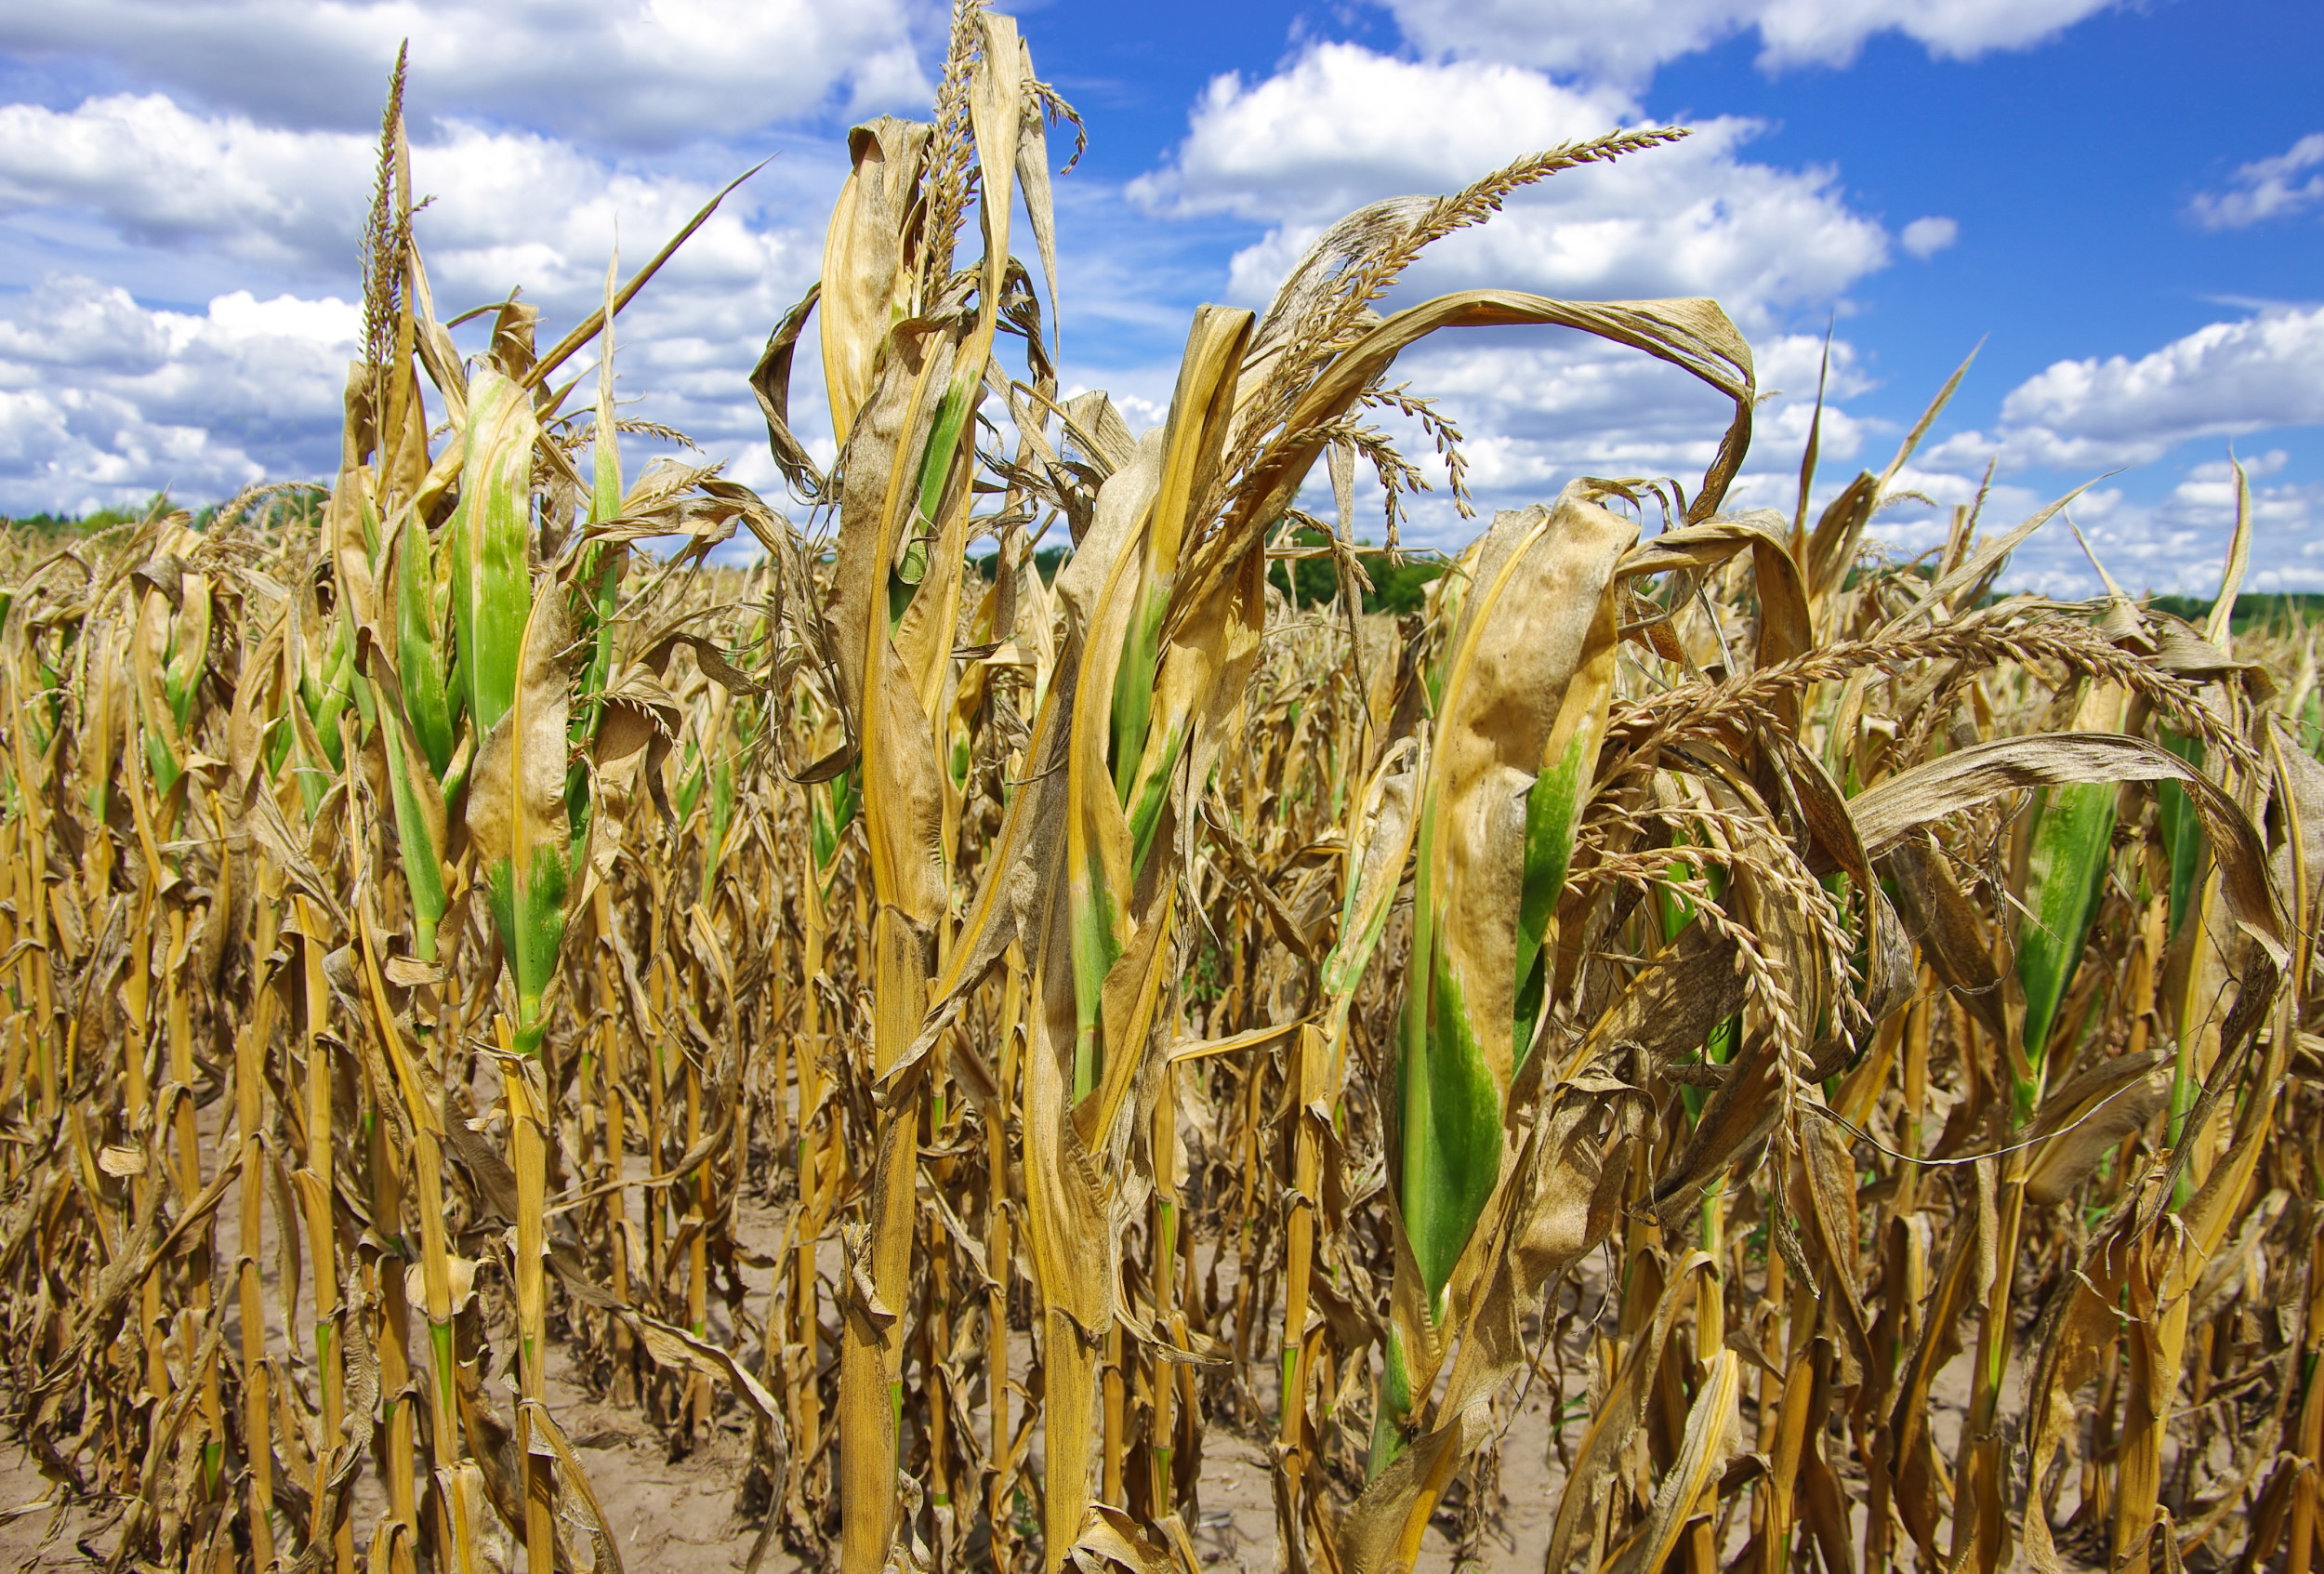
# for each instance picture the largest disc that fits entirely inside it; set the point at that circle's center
(2268, 188)
(1625, 40)
(2226, 378)
(160, 176)
(2078, 418)
(241, 155)
(2174, 543)
(506, 206)
(104, 400)
(1925, 237)
(644, 73)
(1539, 410)
(512, 210)
(1342, 126)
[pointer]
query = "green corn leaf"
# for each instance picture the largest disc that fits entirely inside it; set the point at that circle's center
(491, 542)
(831, 809)
(2182, 832)
(1146, 686)
(1450, 1108)
(605, 442)
(1552, 815)
(164, 694)
(1522, 709)
(326, 690)
(691, 776)
(430, 701)
(418, 795)
(2065, 871)
(2073, 834)
(516, 814)
(598, 595)
(1100, 583)
(721, 820)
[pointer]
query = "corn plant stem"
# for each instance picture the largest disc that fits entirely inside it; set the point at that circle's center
(585, 1119)
(1770, 1397)
(1306, 1075)
(528, 1150)
(1182, 1378)
(935, 1337)
(2138, 1472)
(1247, 1313)
(1711, 1337)
(36, 968)
(779, 1078)
(12, 1049)
(697, 1252)
(138, 990)
(322, 1222)
(1162, 1374)
(1115, 1401)
(1978, 1529)
(1919, 1025)
(2198, 1040)
(2310, 1444)
(616, 1142)
(806, 1401)
(2160, 1277)
(395, 1318)
(997, 1254)
(181, 1074)
(1791, 1435)
(2311, 1436)
(453, 1549)
(249, 1076)
(657, 1195)
(1137, 1457)
(871, 1361)
(444, 1415)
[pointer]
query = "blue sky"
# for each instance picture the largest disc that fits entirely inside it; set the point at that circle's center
(2124, 204)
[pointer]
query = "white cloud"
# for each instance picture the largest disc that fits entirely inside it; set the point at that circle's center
(508, 207)
(631, 72)
(1625, 40)
(512, 210)
(2174, 543)
(2227, 377)
(1342, 126)
(103, 400)
(2268, 188)
(1538, 410)
(1925, 237)
(242, 155)
(2221, 472)
(163, 176)
(2081, 417)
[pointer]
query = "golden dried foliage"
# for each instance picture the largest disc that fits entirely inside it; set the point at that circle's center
(1696, 964)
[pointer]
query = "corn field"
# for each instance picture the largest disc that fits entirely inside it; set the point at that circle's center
(1701, 966)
